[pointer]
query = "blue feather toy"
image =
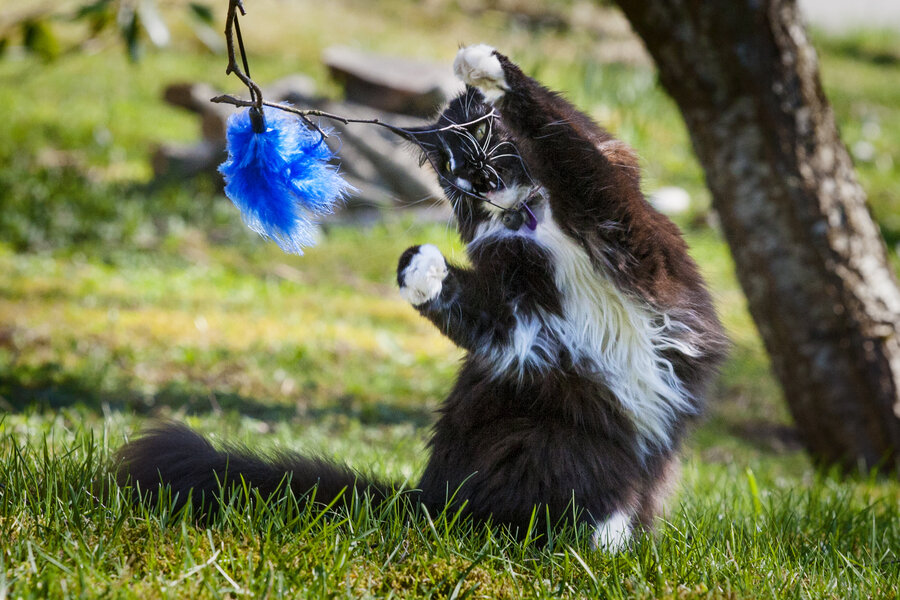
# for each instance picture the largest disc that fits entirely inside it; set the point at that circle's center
(277, 174)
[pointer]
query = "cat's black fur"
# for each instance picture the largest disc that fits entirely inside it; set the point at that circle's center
(541, 415)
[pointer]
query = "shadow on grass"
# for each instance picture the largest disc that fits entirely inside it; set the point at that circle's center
(48, 387)
(27, 225)
(374, 413)
(860, 50)
(766, 436)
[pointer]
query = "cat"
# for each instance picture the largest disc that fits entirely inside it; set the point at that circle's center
(590, 336)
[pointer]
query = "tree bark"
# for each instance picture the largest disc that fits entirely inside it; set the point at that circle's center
(809, 256)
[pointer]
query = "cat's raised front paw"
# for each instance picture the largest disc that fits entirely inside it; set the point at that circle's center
(421, 274)
(478, 66)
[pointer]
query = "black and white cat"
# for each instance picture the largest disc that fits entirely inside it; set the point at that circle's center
(589, 333)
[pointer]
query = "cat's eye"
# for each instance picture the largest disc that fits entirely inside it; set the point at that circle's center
(447, 165)
(481, 131)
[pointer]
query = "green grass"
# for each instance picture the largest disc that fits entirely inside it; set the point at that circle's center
(734, 536)
(122, 302)
(315, 355)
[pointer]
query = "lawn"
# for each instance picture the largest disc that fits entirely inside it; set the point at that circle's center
(122, 302)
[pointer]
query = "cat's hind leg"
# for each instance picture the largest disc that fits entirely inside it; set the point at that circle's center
(614, 533)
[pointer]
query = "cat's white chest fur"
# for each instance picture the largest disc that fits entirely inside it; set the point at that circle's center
(620, 339)
(610, 336)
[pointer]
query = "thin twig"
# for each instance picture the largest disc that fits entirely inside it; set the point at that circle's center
(306, 113)
(311, 112)
(255, 92)
(231, 25)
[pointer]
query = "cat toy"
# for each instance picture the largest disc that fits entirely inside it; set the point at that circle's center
(278, 172)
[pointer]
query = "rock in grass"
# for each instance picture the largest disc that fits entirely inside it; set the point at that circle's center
(671, 200)
(393, 84)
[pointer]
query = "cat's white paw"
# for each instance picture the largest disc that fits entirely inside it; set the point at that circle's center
(422, 278)
(478, 66)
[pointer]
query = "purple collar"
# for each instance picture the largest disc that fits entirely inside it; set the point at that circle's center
(514, 219)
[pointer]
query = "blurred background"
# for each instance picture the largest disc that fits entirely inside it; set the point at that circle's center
(129, 288)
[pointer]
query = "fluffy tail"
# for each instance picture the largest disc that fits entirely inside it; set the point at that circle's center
(177, 456)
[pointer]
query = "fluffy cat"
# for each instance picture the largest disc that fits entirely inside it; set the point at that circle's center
(589, 333)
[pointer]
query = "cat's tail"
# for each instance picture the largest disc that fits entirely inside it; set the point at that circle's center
(192, 468)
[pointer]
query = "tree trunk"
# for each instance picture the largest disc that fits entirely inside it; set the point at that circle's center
(809, 256)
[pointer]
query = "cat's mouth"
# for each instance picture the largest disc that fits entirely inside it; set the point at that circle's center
(480, 185)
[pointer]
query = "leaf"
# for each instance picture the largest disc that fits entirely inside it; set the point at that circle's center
(99, 15)
(209, 37)
(754, 491)
(153, 24)
(202, 12)
(38, 37)
(202, 23)
(93, 9)
(129, 26)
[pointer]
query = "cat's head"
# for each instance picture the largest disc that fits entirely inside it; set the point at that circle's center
(476, 162)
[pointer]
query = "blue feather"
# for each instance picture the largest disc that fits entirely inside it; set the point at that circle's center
(279, 179)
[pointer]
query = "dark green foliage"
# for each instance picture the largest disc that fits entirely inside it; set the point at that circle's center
(202, 12)
(99, 15)
(135, 23)
(38, 37)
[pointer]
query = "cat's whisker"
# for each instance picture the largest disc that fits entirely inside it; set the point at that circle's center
(449, 224)
(453, 126)
(497, 176)
(502, 146)
(469, 139)
(504, 143)
(488, 136)
(521, 160)
(435, 201)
